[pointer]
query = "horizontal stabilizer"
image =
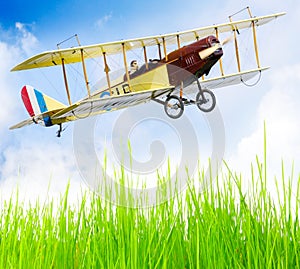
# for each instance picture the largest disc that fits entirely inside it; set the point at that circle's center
(22, 124)
(38, 119)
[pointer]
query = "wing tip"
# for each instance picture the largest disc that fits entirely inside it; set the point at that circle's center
(14, 69)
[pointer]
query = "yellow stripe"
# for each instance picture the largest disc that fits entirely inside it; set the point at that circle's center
(52, 104)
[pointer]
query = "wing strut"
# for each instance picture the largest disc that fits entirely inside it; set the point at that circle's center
(165, 48)
(220, 60)
(178, 41)
(125, 63)
(254, 39)
(85, 74)
(159, 50)
(106, 69)
(145, 57)
(65, 80)
(235, 30)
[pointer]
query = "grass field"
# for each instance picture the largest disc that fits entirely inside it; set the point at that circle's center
(223, 227)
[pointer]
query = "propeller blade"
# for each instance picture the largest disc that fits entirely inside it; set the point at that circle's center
(228, 39)
(209, 51)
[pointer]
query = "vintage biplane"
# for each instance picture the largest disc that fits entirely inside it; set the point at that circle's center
(164, 79)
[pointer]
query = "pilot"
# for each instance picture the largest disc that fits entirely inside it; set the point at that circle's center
(133, 67)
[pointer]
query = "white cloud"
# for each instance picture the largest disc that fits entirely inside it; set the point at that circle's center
(8, 55)
(279, 109)
(31, 162)
(38, 170)
(28, 41)
(273, 100)
(102, 21)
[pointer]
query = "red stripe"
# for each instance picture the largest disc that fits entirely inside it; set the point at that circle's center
(26, 101)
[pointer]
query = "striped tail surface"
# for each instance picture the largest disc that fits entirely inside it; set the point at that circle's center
(37, 103)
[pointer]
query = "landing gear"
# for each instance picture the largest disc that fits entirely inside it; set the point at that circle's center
(205, 100)
(174, 106)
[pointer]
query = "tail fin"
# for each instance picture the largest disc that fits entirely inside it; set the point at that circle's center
(37, 103)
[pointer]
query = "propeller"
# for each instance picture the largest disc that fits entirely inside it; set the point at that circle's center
(209, 51)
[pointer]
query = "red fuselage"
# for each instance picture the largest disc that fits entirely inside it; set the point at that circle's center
(186, 62)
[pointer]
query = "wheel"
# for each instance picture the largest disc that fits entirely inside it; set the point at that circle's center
(174, 107)
(206, 100)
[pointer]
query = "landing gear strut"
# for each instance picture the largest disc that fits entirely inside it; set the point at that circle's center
(205, 99)
(58, 133)
(174, 105)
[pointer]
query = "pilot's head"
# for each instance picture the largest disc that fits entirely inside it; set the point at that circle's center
(134, 65)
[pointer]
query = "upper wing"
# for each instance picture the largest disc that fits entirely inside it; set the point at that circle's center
(73, 55)
(91, 107)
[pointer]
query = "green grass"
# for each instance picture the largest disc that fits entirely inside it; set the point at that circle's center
(223, 227)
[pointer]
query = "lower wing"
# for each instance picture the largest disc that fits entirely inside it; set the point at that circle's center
(95, 106)
(231, 79)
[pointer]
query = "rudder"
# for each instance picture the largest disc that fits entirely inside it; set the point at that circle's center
(37, 103)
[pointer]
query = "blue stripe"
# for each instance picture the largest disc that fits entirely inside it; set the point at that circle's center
(105, 94)
(47, 121)
(43, 107)
(41, 101)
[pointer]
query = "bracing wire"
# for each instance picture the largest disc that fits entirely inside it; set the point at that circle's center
(88, 114)
(253, 84)
(50, 82)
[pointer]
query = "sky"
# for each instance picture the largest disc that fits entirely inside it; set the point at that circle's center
(38, 165)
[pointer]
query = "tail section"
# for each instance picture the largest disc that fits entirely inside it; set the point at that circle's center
(37, 103)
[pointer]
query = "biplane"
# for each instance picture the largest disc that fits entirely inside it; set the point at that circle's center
(164, 80)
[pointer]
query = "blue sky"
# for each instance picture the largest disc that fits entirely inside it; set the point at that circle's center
(31, 157)
(79, 16)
